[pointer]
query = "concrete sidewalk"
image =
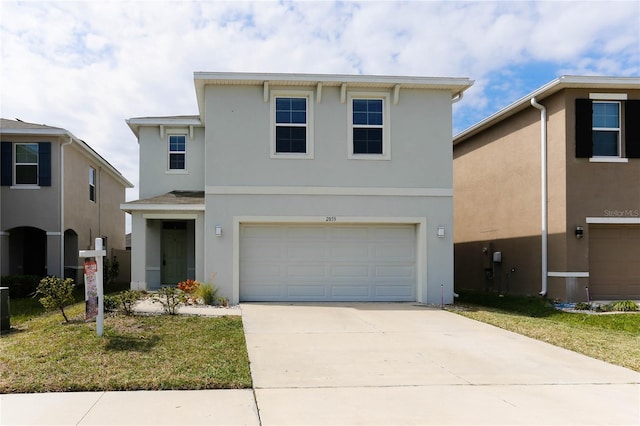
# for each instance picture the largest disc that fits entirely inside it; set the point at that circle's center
(370, 364)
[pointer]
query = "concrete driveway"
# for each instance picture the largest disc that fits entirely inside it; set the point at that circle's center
(397, 363)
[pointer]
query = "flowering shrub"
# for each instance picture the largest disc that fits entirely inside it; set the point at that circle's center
(189, 286)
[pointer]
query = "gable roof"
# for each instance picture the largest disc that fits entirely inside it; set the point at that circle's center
(23, 128)
(564, 82)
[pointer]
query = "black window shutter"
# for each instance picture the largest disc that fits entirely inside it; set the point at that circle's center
(584, 128)
(6, 163)
(44, 163)
(632, 128)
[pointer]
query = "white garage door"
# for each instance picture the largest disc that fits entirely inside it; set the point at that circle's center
(327, 263)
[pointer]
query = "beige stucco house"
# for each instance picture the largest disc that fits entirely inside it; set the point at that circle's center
(547, 193)
(57, 196)
(290, 187)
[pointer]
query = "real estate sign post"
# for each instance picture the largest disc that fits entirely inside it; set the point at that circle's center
(93, 284)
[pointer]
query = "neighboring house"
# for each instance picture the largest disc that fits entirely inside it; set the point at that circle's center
(291, 187)
(44, 223)
(566, 222)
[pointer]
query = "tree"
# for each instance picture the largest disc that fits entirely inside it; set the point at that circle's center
(57, 293)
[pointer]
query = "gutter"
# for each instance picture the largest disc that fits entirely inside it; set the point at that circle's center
(544, 213)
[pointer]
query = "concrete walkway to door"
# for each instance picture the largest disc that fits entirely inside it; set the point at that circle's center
(397, 363)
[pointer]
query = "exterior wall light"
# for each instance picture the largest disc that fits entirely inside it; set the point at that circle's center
(218, 231)
(440, 231)
(579, 232)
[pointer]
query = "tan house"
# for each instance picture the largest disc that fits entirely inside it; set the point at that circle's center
(547, 193)
(57, 196)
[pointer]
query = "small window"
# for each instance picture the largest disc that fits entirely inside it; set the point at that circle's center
(606, 129)
(369, 127)
(177, 152)
(291, 125)
(92, 184)
(26, 165)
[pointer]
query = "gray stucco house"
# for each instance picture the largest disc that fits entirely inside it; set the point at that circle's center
(290, 187)
(57, 195)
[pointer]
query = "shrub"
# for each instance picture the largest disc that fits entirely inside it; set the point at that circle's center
(171, 298)
(583, 306)
(110, 271)
(21, 286)
(128, 300)
(622, 306)
(189, 286)
(207, 292)
(223, 301)
(57, 293)
(111, 303)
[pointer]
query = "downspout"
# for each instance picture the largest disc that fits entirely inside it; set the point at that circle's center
(543, 201)
(62, 205)
(455, 99)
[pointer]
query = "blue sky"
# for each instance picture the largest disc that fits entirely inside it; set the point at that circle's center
(87, 66)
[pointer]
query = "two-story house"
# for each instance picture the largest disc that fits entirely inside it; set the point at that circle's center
(57, 195)
(290, 187)
(547, 193)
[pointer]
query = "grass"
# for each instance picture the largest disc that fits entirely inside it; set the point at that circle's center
(614, 338)
(136, 352)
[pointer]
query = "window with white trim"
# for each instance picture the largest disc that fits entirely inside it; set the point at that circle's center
(92, 184)
(26, 164)
(292, 115)
(368, 126)
(606, 128)
(177, 152)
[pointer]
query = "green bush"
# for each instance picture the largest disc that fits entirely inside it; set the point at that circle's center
(111, 303)
(20, 286)
(583, 306)
(622, 306)
(128, 300)
(171, 298)
(207, 292)
(56, 293)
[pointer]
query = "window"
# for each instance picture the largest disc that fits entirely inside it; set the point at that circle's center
(291, 125)
(606, 129)
(92, 184)
(369, 127)
(26, 165)
(177, 152)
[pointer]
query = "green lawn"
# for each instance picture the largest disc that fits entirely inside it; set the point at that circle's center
(44, 354)
(611, 337)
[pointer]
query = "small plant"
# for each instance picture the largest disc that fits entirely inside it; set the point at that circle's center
(207, 292)
(622, 306)
(171, 298)
(190, 287)
(223, 301)
(57, 293)
(583, 306)
(110, 271)
(128, 300)
(111, 303)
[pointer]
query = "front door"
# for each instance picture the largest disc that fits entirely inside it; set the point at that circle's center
(174, 253)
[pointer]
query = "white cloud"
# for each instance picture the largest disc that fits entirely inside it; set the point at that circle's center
(87, 66)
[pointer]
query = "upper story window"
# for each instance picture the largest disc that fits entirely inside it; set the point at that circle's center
(292, 136)
(26, 164)
(92, 184)
(177, 152)
(607, 128)
(369, 126)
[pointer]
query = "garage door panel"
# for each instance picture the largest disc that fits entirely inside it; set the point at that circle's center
(614, 265)
(327, 262)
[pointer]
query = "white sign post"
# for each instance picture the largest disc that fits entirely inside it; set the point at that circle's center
(98, 253)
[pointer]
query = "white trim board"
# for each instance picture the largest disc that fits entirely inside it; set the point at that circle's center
(568, 274)
(614, 220)
(328, 190)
